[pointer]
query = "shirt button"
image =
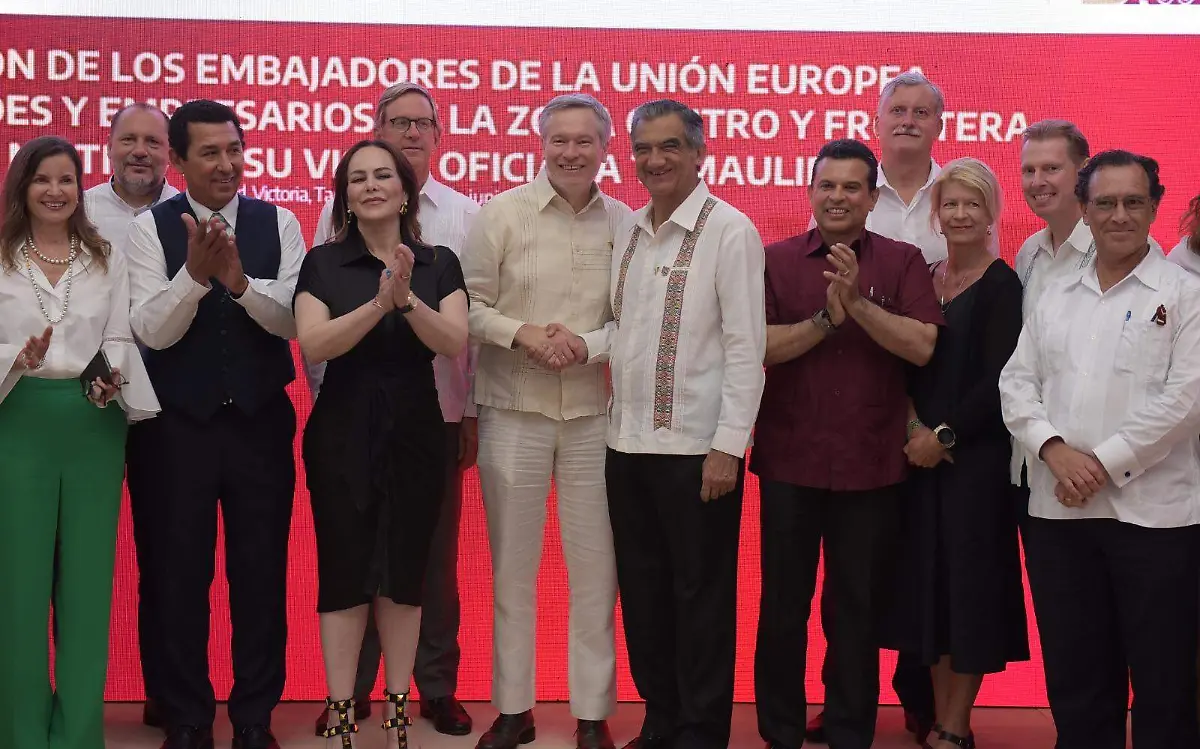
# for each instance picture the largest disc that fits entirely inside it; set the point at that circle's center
(1127, 474)
(837, 392)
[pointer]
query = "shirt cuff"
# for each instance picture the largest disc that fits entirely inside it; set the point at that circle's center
(595, 342)
(1118, 459)
(1039, 434)
(185, 288)
(731, 441)
(503, 331)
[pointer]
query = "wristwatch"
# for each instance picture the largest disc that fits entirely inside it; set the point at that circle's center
(823, 322)
(945, 436)
(410, 305)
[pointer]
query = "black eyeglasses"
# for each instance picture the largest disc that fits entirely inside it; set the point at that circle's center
(402, 124)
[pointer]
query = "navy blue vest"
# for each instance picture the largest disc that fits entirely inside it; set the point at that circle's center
(225, 356)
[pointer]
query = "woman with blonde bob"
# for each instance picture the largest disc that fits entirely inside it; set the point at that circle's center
(961, 605)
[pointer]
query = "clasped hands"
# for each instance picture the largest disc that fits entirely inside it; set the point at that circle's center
(1080, 475)
(212, 253)
(842, 292)
(924, 450)
(395, 281)
(553, 347)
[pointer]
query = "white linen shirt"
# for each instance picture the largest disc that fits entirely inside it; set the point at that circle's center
(686, 350)
(112, 215)
(163, 308)
(1096, 370)
(445, 217)
(97, 317)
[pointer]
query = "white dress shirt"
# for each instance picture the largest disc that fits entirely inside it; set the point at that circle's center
(906, 222)
(909, 222)
(112, 215)
(163, 308)
(1037, 265)
(445, 217)
(686, 350)
(97, 317)
(1183, 256)
(1095, 369)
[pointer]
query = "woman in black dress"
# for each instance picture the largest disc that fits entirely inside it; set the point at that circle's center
(961, 603)
(376, 304)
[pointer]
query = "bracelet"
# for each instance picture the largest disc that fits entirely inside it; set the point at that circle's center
(913, 426)
(375, 301)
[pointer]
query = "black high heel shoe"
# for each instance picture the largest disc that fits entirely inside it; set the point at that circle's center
(345, 727)
(400, 721)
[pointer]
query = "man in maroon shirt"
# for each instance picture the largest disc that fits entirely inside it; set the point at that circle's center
(847, 312)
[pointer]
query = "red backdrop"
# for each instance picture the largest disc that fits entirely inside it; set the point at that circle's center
(1130, 92)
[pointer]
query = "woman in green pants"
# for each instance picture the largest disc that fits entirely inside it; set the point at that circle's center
(64, 298)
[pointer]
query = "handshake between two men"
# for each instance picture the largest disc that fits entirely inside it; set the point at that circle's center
(553, 347)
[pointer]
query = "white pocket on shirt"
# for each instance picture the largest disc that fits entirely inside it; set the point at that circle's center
(1144, 351)
(592, 258)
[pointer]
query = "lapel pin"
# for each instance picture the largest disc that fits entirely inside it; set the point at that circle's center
(1160, 315)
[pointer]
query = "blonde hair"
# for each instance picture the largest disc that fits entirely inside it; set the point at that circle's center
(977, 176)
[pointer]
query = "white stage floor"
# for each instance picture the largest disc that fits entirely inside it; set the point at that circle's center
(994, 728)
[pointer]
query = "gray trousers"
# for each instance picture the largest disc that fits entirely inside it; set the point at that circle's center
(438, 654)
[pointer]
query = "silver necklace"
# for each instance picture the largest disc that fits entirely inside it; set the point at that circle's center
(37, 290)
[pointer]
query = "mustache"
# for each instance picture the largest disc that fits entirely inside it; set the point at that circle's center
(139, 162)
(906, 131)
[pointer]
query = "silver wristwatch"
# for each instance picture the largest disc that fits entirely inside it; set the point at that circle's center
(823, 323)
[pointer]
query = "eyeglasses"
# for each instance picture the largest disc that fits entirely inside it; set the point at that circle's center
(402, 124)
(1133, 204)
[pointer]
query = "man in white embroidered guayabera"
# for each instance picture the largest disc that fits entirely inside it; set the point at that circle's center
(1104, 388)
(686, 351)
(536, 263)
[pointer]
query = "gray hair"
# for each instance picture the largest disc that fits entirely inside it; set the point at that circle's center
(578, 101)
(693, 124)
(395, 91)
(140, 106)
(912, 78)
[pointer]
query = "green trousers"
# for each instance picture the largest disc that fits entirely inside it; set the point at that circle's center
(62, 461)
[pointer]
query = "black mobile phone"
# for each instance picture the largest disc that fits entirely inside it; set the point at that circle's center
(97, 367)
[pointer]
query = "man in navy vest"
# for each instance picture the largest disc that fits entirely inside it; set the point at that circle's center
(212, 274)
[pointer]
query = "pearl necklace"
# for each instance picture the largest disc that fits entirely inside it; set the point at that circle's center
(69, 262)
(70, 258)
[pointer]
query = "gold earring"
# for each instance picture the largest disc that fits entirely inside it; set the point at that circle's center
(403, 208)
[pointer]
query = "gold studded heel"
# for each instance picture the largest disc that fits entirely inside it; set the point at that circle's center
(400, 721)
(345, 727)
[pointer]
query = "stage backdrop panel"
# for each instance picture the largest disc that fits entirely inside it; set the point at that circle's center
(304, 85)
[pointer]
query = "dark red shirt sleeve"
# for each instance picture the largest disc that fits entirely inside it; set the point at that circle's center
(917, 299)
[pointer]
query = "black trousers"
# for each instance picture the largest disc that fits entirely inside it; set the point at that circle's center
(1116, 604)
(677, 571)
(179, 471)
(859, 533)
(438, 652)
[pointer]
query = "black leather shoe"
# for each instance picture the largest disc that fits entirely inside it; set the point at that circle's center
(593, 734)
(648, 741)
(189, 737)
(814, 732)
(448, 716)
(362, 711)
(152, 714)
(254, 737)
(509, 732)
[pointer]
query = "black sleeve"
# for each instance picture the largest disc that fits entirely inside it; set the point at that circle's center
(311, 279)
(978, 410)
(450, 275)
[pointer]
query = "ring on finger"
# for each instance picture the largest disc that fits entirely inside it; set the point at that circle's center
(406, 276)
